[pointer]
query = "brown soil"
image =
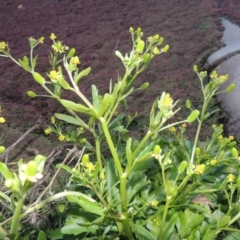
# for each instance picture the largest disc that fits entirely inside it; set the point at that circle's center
(96, 29)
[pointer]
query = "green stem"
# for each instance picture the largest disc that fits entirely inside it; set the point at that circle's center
(124, 204)
(98, 152)
(201, 120)
(164, 218)
(140, 145)
(111, 146)
(234, 219)
(99, 195)
(16, 219)
(4, 196)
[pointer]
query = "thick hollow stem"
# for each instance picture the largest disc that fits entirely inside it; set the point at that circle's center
(16, 218)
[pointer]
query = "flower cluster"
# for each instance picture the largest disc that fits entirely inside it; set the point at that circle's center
(218, 79)
(57, 46)
(3, 46)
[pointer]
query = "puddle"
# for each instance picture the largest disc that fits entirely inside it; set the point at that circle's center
(229, 59)
(231, 39)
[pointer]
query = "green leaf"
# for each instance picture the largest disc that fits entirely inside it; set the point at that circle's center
(82, 74)
(111, 178)
(77, 107)
(64, 84)
(61, 207)
(119, 55)
(169, 228)
(224, 222)
(55, 234)
(193, 116)
(142, 233)
(38, 78)
(188, 221)
(69, 119)
(95, 97)
(25, 60)
(137, 183)
(210, 234)
(88, 204)
(129, 151)
(81, 224)
(24, 65)
(5, 172)
(65, 167)
(34, 61)
(71, 53)
(41, 236)
(105, 104)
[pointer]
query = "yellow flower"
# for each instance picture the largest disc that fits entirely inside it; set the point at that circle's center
(199, 169)
(156, 36)
(102, 176)
(231, 138)
(81, 129)
(230, 177)
(53, 75)
(149, 38)
(223, 78)
(167, 102)
(90, 167)
(156, 51)
(61, 138)
(47, 131)
(172, 129)
(53, 120)
(184, 125)
(131, 29)
(213, 162)
(214, 74)
(76, 60)
(2, 120)
(3, 45)
(53, 36)
(214, 126)
(154, 203)
(220, 137)
(41, 40)
(155, 221)
(58, 47)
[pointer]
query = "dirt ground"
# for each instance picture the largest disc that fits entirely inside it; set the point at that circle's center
(96, 29)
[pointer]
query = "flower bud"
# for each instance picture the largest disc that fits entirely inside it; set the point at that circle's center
(2, 149)
(157, 149)
(85, 158)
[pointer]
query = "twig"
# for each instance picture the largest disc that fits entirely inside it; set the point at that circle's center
(10, 148)
(72, 151)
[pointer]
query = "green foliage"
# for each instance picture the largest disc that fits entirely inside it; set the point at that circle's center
(161, 186)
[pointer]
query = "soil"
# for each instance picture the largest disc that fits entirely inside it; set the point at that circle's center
(96, 29)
